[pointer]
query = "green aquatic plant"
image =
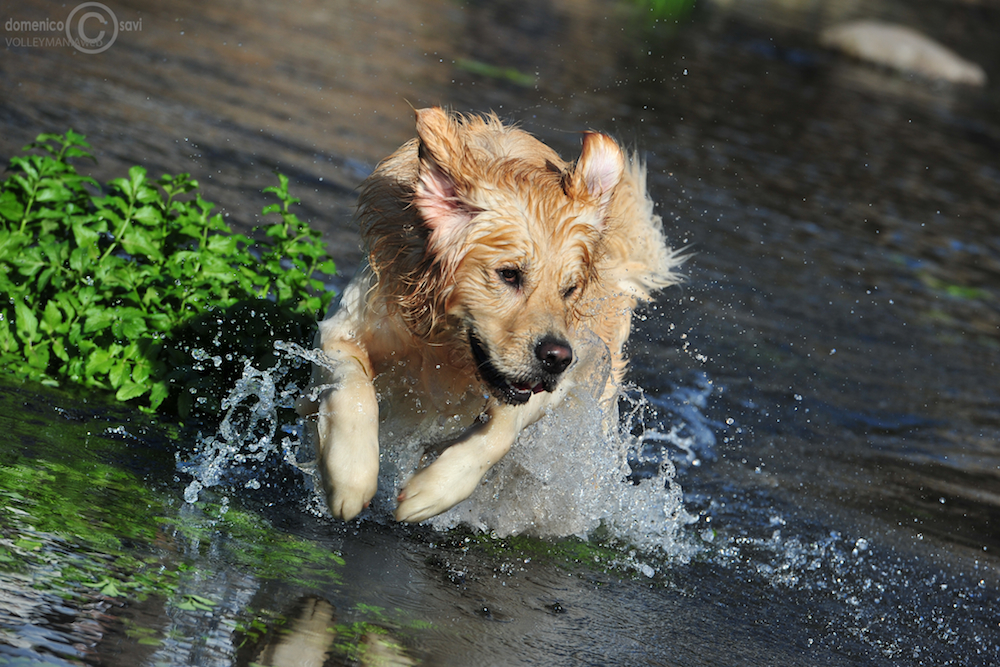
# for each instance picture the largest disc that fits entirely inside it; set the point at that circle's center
(55, 528)
(95, 281)
(196, 603)
(953, 290)
(80, 520)
(666, 9)
(597, 554)
(489, 71)
(273, 554)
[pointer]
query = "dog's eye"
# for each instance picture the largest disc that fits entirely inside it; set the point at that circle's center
(570, 291)
(511, 276)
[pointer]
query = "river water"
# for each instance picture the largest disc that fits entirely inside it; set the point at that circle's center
(824, 383)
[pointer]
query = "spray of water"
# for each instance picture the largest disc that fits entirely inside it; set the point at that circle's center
(246, 435)
(569, 474)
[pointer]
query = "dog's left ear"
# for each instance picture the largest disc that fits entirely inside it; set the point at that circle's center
(600, 168)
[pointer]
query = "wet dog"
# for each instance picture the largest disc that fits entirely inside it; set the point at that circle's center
(489, 259)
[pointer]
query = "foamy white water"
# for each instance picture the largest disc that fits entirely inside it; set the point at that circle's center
(568, 474)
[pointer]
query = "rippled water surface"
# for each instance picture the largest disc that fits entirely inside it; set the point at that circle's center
(823, 386)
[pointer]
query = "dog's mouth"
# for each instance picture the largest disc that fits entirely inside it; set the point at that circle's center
(506, 389)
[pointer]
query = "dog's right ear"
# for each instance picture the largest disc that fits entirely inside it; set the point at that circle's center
(438, 196)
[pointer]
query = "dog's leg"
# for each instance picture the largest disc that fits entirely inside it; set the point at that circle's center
(458, 470)
(347, 430)
(455, 474)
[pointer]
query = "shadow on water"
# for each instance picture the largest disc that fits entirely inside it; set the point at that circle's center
(824, 383)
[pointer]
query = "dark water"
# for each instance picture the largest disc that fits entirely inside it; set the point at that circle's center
(832, 358)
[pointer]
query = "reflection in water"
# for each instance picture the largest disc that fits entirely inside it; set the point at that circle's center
(303, 640)
(842, 302)
(309, 634)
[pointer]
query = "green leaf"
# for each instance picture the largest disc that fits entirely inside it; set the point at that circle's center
(10, 244)
(149, 216)
(196, 603)
(85, 234)
(26, 185)
(130, 390)
(179, 184)
(120, 371)
(54, 250)
(10, 207)
(222, 245)
(139, 241)
(52, 194)
(86, 296)
(38, 358)
(51, 318)
(8, 342)
(44, 277)
(99, 362)
(107, 586)
(73, 151)
(131, 186)
(59, 349)
(157, 394)
(28, 166)
(27, 323)
(217, 224)
(99, 319)
(130, 325)
(111, 207)
(277, 231)
(141, 370)
(30, 261)
(80, 259)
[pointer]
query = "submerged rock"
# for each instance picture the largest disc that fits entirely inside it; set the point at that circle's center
(903, 49)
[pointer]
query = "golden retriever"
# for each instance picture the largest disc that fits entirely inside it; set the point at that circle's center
(488, 259)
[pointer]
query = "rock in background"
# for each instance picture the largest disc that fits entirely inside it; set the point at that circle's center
(903, 49)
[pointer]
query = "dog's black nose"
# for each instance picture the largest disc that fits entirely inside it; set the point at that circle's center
(555, 354)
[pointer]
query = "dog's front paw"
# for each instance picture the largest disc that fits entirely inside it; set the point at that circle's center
(347, 448)
(420, 501)
(349, 471)
(433, 490)
(346, 501)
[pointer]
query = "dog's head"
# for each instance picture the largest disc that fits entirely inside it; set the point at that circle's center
(511, 239)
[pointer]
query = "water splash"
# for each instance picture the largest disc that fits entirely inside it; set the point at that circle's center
(674, 427)
(568, 474)
(247, 435)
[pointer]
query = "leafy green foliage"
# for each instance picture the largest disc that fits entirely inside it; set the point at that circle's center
(95, 281)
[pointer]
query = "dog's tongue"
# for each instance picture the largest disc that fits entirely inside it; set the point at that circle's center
(534, 389)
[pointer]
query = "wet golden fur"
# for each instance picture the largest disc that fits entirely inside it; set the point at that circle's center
(489, 257)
